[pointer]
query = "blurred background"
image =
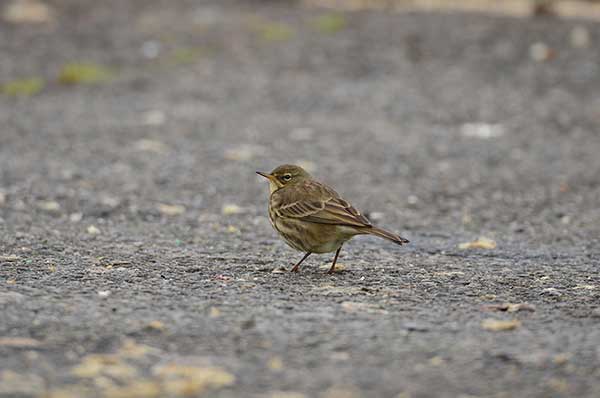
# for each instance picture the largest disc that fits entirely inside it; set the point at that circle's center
(136, 256)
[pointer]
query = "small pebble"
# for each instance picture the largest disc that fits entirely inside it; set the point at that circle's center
(229, 209)
(551, 291)
(436, 361)
(338, 267)
(412, 199)
(275, 364)
(147, 145)
(584, 287)
(49, 206)
(110, 201)
(540, 52)
(232, 229)
(156, 325)
(20, 342)
(376, 216)
(10, 258)
(561, 359)
(154, 117)
(93, 230)
(415, 327)
(580, 37)
(104, 293)
(483, 131)
(28, 11)
(150, 49)
(171, 210)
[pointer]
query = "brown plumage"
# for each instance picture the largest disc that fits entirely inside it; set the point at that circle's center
(313, 218)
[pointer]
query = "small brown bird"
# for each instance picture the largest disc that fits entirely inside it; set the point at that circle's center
(313, 218)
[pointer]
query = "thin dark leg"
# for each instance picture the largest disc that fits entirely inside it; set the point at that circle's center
(295, 269)
(332, 269)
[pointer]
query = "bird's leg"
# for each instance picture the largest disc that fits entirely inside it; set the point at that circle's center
(295, 269)
(332, 269)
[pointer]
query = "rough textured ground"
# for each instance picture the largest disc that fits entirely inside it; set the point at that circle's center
(123, 275)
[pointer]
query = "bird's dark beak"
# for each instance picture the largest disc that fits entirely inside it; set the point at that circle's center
(266, 175)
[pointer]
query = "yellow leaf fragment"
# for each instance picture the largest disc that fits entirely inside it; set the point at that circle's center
(232, 229)
(479, 243)
(156, 325)
(185, 380)
(338, 267)
(229, 209)
(496, 325)
(436, 361)
(95, 365)
(21, 342)
(131, 349)
(275, 364)
(49, 206)
(561, 359)
(171, 210)
(137, 389)
(10, 258)
(23, 87)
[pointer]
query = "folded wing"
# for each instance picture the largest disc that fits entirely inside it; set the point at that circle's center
(314, 202)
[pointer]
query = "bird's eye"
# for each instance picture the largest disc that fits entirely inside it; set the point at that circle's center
(287, 177)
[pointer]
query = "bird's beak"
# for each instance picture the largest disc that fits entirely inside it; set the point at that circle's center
(266, 175)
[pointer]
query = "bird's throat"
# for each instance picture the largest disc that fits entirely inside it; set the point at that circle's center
(273, 186)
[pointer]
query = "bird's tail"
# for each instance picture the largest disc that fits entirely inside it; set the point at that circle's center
(382, 233)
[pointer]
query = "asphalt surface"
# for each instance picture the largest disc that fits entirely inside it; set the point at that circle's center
(137, 256)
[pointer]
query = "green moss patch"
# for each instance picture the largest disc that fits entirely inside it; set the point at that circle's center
(84, 73)
(23, 87)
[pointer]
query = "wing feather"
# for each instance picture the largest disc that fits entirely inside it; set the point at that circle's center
(317, 203)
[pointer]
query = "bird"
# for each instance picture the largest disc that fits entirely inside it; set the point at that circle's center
(313, 218)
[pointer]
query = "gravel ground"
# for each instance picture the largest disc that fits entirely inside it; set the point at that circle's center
(136, 256)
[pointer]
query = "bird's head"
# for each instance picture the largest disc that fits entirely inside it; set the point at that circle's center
(284, 175)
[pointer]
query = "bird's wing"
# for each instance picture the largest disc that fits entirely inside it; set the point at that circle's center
(315, 202)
